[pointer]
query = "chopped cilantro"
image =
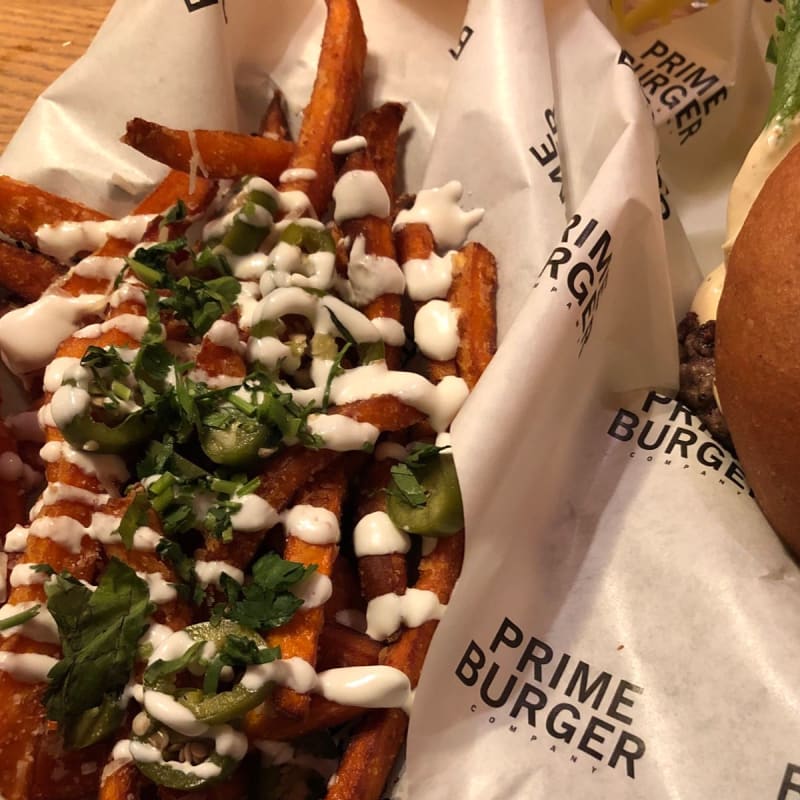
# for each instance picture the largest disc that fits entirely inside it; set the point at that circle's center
(404, 483)
(266, 601)
(99, 634)
(175, 214)
(135, 517)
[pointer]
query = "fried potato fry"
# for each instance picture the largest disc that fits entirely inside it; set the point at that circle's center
(473, 294)
(385, 573)
(24, 273)
(273, 123)
(380, 128)
(300, 635)
(340, 646)
(24, 208)
(121, 781)
(214, 154)
(333, 100)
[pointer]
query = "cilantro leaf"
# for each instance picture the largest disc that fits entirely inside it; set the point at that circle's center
(784, 51)
(99, 634)
(189, 587)
(405, 485)
(266, 601)
(135, 517)
(175, 213)
(159, 670)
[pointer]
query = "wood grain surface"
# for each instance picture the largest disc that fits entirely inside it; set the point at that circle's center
(39, 39)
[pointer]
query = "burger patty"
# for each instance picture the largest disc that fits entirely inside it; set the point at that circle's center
(698, 369)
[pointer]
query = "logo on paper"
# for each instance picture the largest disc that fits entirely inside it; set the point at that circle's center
(678, 89)
(546, 152)
(580, 264)
(665, 431)
(790, 786)
(555, 698)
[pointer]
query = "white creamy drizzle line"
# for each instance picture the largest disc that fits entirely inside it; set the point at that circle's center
(314, 590)
(388, 612)
(375, 535)
(311, 524)
(68, 533)
(360, 193)
(134, 325)
(30, 336)
(64, 240)
(427, 278)
(211, 572)
(439, 210)
(110, 470)
(369, 276)
(350, 145)
(41, 628)
(436, 330)
(26, 667)
(367, 687)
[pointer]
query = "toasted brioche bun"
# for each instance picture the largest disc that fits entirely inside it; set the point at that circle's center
(758, 348)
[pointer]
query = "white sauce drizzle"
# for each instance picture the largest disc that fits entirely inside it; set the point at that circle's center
(30, 336)
(64, 240)
(26, 575)
(41, 628)
(385, 614)
(439, 210)
(430, 277)
(314, 590)
(440, 402)
(391, 331)
(360, 193)
(297, 174)
(256, 514)
(61, 369)
(369, 276)
(209, 572)
(341, 433)
(134, 325)
(376, 535)
(436, 330)
(312, 524)
(350, 145)
(225, 334)
(101, 267)
(68, 533)
(109, 470)
(26, 667)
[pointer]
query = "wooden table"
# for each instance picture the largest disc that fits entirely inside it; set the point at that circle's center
(39, 39)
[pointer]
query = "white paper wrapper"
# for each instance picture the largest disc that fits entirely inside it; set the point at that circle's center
(625, 625)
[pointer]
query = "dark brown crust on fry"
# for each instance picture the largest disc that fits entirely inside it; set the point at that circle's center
(328, 114)
(300, 635)
(473, 293)
(24, 273)
(24, 208)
